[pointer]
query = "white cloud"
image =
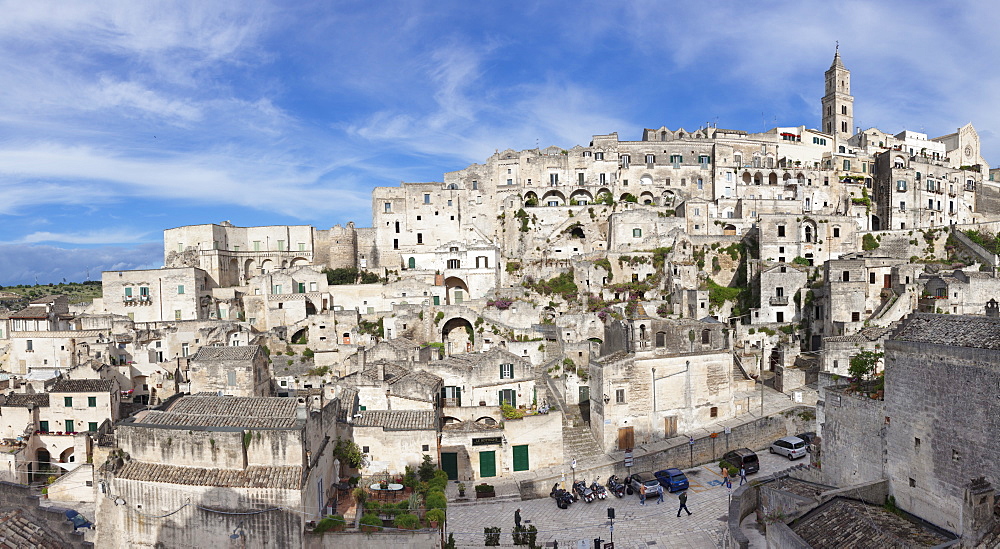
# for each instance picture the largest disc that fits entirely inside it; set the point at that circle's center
(52, 264)
(103, 236)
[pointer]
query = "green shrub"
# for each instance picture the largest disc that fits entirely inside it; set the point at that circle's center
(330, 522)
(436, 515)
(436, 500)
(868, 242)
(426, 469)
(407, 521)
(371, 519)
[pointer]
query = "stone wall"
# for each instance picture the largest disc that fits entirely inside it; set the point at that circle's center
(943, 426)
(417, 539)
(853, 444)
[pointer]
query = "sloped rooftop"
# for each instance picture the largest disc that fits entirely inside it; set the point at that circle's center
(23, 400)
(225, 352)
(978, 332)
(845, 522)
(226, 411)
(254, 476)
(397, 420)
(82, 386)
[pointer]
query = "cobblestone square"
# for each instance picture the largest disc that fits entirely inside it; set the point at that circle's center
(635, 525)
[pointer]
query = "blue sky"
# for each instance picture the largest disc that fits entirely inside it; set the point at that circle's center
(121, 119)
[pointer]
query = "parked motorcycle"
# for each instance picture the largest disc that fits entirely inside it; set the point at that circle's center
(598, 490)
(562, 497)
(615, 486)
(584, 493)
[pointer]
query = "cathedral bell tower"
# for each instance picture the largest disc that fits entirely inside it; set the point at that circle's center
(838, 103)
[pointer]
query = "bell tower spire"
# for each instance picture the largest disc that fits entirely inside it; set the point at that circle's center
(838, 103)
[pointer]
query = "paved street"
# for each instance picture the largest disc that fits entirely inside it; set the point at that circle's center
(636, 526)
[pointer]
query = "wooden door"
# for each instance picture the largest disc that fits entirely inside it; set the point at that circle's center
(670, 426)
(487, 464)
(626, 438)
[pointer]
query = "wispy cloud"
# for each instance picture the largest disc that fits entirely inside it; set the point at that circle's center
(51, 264)
(104, 236)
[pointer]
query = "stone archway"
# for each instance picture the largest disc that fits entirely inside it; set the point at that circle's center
(456, 290)
(458, 336)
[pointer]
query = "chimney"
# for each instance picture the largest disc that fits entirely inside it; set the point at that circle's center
(993, 308)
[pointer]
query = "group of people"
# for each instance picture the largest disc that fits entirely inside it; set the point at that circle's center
(659, 497)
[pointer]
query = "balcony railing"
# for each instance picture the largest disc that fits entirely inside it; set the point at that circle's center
(778, 300)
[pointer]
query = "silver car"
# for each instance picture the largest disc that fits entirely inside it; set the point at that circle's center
(790, 447)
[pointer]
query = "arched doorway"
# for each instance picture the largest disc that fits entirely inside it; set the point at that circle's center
(67, 456)
(457, 291)
(458, 336)
(43, 462)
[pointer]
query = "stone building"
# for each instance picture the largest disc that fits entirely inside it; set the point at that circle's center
(958, 292)
(657, 379)
(158, 295)
(193, 472)
(938, 463)
(240, 371)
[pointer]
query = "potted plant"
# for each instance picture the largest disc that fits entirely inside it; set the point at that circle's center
(435, 517)
(485, 491)
(407, 521)
(371, 523)
(461, 489)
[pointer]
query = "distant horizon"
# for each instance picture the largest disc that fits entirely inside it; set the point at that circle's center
(124, 120)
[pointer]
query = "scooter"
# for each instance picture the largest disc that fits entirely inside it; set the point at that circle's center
(596, 488)
(586, 494)
(562, 497)
(615, 486)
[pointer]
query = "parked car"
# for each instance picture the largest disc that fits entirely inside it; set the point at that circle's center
(672, 479)
(632, 482)
(790, 447)
(809, 438)
(743, 458)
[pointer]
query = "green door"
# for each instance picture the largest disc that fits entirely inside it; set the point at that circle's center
(584, 394)
(449, 464)
(521, 458)
(69, 426)
(487, 464)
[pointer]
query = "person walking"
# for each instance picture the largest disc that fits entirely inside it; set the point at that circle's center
(642, 494)
(743, 476)
(684, 504)
(517, 519)
(659, 494)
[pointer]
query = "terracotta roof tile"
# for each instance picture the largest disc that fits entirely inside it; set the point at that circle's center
(23, 399)
(397, 420)
(254, 476)
(225, 352)
(82, 386)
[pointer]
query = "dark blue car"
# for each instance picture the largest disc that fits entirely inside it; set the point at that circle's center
(672, 479)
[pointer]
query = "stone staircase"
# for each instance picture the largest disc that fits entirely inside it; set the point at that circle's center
(578, 441)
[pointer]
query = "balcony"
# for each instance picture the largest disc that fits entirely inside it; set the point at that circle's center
(778, 300)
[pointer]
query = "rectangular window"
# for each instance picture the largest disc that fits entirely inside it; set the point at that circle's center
(847, 165)
(619, 396)
(636, 233)
(185, 349)
(506, 371)
(70, 426)
(395, 243)
(281, 245)
(475, 185)
(302, 246)
(68, 402)
(92, 402)
(836, 232)
(277, 289)
(598, 156)
(676, 159)
(603, 178)
(420, 238)
(180, 289)
(580, 177)
(901, 185)
(701, 184)
(43, 426)
(650, 158)
(626, 160)
(177, 314)
(553, 179)
(454, 264)
(128, 292)
(427, 198)
(231, 378)
(781, 230)
(92, 426)
(856, 316)
(144, 291)
(902, 206)
(256, 245)
(30, 346)
(302, 287)
(388, 207)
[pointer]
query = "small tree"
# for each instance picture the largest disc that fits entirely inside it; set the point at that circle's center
(863, 365)
(426, 469)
